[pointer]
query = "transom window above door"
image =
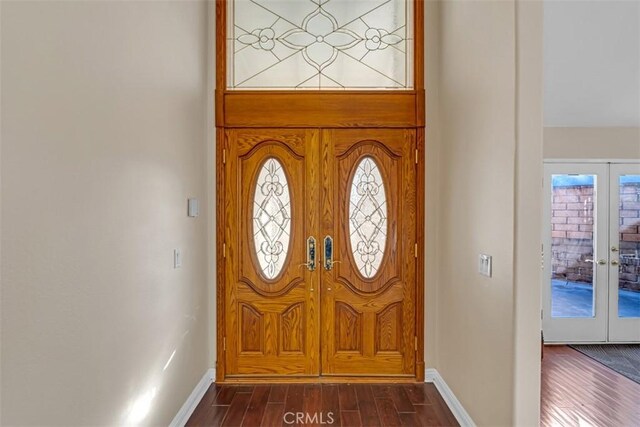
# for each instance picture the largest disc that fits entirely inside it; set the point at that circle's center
(319, 44)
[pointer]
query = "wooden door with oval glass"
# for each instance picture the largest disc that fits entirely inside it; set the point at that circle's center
(368, 222)
(271, 279)
(320, 270)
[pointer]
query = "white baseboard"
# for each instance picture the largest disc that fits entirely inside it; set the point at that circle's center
(432, 376)
(194, 398)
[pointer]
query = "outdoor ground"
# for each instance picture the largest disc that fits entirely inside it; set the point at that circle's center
(571, 299)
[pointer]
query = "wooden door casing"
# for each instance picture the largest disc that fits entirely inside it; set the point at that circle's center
(271, 324)
(333, 323)
(368, 325)
(285, 112)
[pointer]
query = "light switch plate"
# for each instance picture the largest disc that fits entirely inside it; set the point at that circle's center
(194, 208)
(177, 258)
(484, 264)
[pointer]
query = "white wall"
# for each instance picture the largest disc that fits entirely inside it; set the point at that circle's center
(592, 63)
(477, 96)
(103, 139)
(211, 180)
(591, 143)
(528, 205)
(432, 181)
(489, 160)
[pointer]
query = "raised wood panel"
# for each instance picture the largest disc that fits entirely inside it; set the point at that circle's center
(292, 328)
(389, 328)
(251, 329)
(348, 323)
(285, 109)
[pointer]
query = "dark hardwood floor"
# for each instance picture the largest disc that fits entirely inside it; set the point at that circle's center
(578, 391)
(364, 405)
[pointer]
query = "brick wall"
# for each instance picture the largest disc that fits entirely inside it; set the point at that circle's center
(572, 234)
(630, 236)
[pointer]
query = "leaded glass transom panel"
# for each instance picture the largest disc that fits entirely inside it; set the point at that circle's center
(320, 44)
(368, 217)
(271, 218)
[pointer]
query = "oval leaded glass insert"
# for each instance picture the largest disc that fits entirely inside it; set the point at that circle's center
(368, 217)
(271, 218)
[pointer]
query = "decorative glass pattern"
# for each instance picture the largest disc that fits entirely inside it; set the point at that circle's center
(320, 44)
(271, 218)
(368, 217)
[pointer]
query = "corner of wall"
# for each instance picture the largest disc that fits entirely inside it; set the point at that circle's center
(432, 172)
(458, 411)
(528, 213)
(211, 179)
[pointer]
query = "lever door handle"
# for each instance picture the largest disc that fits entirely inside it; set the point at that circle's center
(311, 254)
(328, 253)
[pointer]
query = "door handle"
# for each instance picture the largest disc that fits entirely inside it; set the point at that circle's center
(615, 262)
(601, 261)
(311, 254)
(328, 253)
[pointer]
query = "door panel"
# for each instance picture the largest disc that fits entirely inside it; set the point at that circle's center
(575, 253)
(271, 303)
(624, 253)
(368, 279)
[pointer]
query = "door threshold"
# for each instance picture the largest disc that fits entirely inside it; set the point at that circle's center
(322, 379)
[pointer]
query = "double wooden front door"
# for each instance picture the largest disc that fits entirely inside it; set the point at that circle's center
(319, 253)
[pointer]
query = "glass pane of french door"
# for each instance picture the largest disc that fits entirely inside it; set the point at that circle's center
(624, 274)
(572, 245)
(575, 239)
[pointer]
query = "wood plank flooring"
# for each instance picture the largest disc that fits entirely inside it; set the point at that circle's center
(365, 405)
(578, 391)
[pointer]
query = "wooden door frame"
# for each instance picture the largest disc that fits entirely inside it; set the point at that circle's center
(318, 109)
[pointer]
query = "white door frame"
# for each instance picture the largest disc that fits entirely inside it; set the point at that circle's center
(586, 329)
(620, 329)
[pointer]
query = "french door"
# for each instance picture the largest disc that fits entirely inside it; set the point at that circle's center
(319, 257)
(624, 235)
(591, 289)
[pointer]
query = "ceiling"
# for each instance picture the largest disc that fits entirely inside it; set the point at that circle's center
(592, 63)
